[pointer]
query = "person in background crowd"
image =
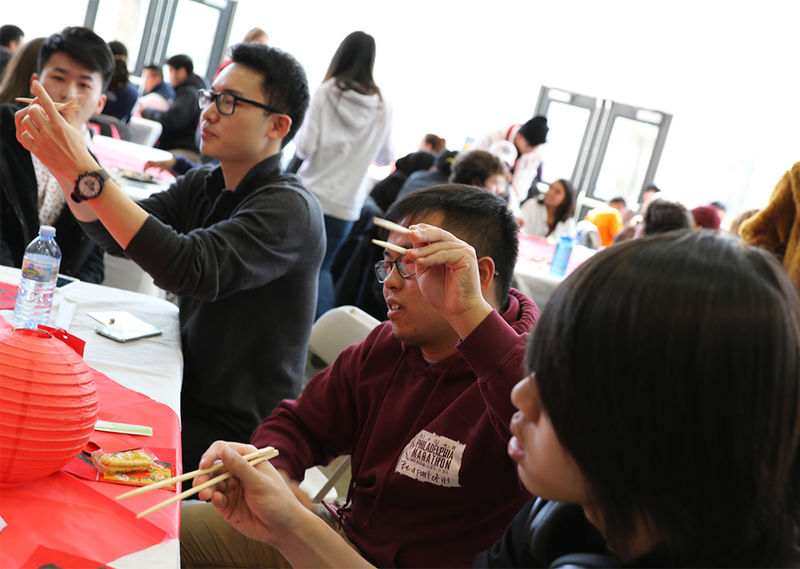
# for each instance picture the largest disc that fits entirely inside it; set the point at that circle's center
(621, 483)
(776, 227)
(17, 77)
(74, 66)
(255, 35)
(240, 244)
(11, 39)
(384, 192)
(618, 203)
(156, 94)
(648, 195)
(349, 126)
(552, 213)
(663, 215)
(434, 176)
(484, 170)
(706, 217)
(180, 120)
(433, 143)
(608, 221)
(528, 139)
(121, 95)
(422, 405)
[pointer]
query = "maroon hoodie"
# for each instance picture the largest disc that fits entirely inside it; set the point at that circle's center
(432, 483)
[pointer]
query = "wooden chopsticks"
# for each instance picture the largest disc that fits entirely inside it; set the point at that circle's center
(391, 226)
(72, 104)
(253, 458)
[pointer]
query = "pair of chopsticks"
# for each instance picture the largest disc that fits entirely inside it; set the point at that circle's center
(72, 104)
(391, 226)
(254, 458)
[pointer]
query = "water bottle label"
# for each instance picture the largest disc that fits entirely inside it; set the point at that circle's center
(38, 272)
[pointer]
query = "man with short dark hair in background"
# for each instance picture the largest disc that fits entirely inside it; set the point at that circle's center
(11, 37)
(156, 94)
(75, 67)
(180, 120)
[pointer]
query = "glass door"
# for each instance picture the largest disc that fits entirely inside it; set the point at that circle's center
(607, 148)
(628, 152)
(572, 120)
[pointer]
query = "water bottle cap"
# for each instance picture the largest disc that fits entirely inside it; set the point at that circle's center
(47, 231)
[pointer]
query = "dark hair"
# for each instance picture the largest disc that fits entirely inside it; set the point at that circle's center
(651, 188)
(16, 79)
(352, 64)
(718, 205)
(9, 33)
(475, 167)
(119, 77)
(437, 143)
(670, 369)
(181, 61)
(617, 199)
(567, 207)
(81, 44)
(155, 69)
(284, 82)
(663, 215)
(476, 216)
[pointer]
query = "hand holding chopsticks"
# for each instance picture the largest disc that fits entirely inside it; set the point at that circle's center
(72, 104)
(253, 458)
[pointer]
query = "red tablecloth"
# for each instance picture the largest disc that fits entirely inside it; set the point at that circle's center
(63, 517)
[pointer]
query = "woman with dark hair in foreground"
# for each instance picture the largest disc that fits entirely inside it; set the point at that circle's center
(664, 400)
(659, 424)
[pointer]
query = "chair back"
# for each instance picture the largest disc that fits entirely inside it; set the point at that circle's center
(337, 329)
(144, 131)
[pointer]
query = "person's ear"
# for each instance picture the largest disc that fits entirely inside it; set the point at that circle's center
(279, 125)
(34, 77)
(100, 104)
(485, 272)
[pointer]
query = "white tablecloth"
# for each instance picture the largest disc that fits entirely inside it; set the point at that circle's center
(153, 366)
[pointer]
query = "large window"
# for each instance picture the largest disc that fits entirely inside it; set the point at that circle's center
(609, 148)
(154, 30)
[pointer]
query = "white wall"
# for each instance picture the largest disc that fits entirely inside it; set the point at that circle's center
(726, 71)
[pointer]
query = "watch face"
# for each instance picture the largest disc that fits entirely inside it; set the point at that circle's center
(90, 186)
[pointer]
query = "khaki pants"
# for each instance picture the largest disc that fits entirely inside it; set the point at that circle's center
(208, 541)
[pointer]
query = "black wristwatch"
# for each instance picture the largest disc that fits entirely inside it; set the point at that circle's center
(89, 185)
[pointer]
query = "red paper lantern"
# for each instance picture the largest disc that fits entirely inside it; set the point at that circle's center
(48, 404)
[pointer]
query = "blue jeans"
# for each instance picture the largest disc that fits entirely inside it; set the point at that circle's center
(336, 231)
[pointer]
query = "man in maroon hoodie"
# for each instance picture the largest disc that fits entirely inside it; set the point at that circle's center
(422, 406)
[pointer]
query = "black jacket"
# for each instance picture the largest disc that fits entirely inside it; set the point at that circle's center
(19, 215)
(179, 122)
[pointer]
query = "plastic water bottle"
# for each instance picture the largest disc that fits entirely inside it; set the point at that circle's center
(38, 282)
(558, 266)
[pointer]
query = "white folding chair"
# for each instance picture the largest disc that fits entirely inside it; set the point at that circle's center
(144, 131)
(335, 330)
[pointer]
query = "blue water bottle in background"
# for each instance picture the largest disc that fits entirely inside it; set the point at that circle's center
(558, 266)
(38, 281)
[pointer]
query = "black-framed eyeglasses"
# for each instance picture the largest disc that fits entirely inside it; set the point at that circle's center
(405, 269)
(226, 102)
